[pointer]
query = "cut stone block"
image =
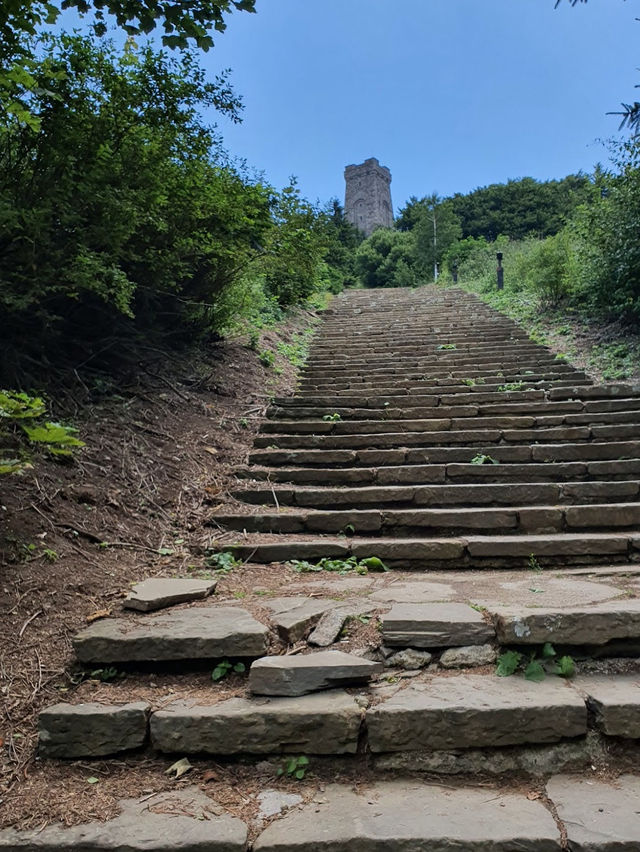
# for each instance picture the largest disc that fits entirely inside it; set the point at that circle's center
(324, 723)
(177, 821)
(434, 625)
(468, 657)
(615, 703)
(408, 816)
(159, 592)
(581, 625)
(474, 711)
(293, 617)
(190, 634)
(598, 816)
(91, 730)
(291, 675)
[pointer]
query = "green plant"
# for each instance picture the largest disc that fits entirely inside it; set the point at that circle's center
(533, 564)
(511, 386)
(244, 423)
(222, 563)
(267, 357)
(447, 346)
(470, 382)
(50, 555)
(225, 667)
(294, 767)
(339, 566)
(332, 418)
(483, 458)
(22, 425)
(534, 667)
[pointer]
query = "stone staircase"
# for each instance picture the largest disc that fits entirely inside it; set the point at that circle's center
(431, 434)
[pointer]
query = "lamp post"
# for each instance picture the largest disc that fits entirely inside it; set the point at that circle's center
(454, 273)
(500, 271)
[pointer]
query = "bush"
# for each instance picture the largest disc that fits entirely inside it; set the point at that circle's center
(387, 259)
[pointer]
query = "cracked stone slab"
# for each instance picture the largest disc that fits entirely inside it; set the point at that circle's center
(408, 816)
(598, 816)
(290, 675)
(579, 625)
(189, 634)
(476, 711)
(160, 592)
(294, 617)
(321, 723)
(615, 702)
(434, 625)
(328, 628)
(91, 730)
(177, 821)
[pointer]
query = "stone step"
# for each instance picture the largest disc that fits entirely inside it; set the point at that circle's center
(560, 434)
(426, 553)
(471, 711)
(407, 816)
(291, 675)
(434, 625)
(437, 496)
(439, 521)
(602, 457)
(200, 633)
(423, 384)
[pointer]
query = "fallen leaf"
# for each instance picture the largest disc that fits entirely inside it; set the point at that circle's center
(180, 767)
(92, 780)
(533, 795)
(210, 775)
(211, 450)
(99, 613)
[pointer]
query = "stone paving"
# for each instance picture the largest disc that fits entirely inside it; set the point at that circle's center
(430, 433)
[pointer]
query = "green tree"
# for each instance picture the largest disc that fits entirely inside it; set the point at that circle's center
(21, 21)
(435, 231)
(120, 217)
(386, 259)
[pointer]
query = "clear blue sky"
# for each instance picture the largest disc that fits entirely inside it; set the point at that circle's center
(449, 94)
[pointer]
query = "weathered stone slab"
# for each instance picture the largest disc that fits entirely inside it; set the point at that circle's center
(599, 816)
(579, 625)
(159, 592)
(409, 816)
(323, 723)
(468, 657)
(291, 675)
(294, 616)
(91, 730)
(434, 625)
(190, 634)
(414, 591)
(615, 702)
(328, 628)
(474, 711)
(409, 659)
(178, 821)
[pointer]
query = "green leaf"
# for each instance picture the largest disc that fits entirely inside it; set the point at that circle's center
(239, 668)
(548, 651)
(508, 663)
(374, 564)
(299, 774)
(566, 667)
(303, 761)
(92, 780)
(534, 671)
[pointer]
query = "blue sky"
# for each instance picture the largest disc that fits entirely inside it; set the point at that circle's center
(449, 94)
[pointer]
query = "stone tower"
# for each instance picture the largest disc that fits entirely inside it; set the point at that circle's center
(367, 203)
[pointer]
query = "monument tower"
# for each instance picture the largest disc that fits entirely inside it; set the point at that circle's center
(367, 203)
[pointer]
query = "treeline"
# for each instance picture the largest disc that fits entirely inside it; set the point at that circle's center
(123, 220)
(573, 240)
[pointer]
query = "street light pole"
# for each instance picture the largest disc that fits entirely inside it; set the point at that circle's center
(435, 246)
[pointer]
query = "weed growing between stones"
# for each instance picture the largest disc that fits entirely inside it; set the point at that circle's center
(225, 667)
(534, 667)
(339, 566)
(483, 458)
(295, 767)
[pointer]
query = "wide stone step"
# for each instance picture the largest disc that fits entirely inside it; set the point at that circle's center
(291, 675)
(561, 434)
(427, 553)
(440, 521)
(201, 633)
(321, 723)
(401, 816)
(437, 496)
(470, 711)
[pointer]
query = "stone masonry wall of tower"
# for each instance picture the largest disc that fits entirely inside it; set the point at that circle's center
(368, 196)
